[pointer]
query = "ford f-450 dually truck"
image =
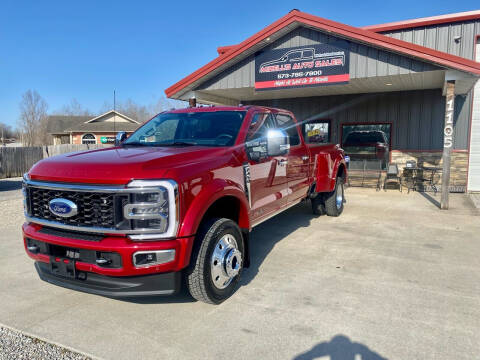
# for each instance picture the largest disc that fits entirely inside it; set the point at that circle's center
(175, 202)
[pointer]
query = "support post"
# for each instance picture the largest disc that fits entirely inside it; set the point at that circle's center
(448, 139)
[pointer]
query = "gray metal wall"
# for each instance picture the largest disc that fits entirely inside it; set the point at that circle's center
(441, 37)
(365, 61)
(417, 117)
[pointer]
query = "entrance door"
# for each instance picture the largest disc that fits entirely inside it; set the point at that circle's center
(268, 175)
(298, 160)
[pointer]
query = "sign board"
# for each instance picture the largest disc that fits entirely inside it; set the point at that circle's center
(303, 66)
(107, 140)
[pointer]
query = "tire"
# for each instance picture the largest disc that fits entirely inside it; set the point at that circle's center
(217, 261)
(335, 199)
(318, 205)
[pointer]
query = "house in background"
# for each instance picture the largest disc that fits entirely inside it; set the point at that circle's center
(67, 129)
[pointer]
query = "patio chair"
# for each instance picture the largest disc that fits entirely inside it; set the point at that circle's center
(392, 177)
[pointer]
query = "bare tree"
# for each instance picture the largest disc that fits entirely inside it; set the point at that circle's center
(33, 117)
(74, 108)
(6, 132)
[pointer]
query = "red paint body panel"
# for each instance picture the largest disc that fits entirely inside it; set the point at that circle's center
(203, 174)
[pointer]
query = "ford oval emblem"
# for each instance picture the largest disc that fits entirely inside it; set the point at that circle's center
(62, 207)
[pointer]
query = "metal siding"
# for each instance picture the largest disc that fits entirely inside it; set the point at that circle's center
(417, 117)
(441, 37)
(474, 156)
(365, 61)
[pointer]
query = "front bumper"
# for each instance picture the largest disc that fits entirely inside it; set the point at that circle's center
(119, 278)
(115, 286)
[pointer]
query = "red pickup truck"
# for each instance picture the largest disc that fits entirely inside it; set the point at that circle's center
(175, 202)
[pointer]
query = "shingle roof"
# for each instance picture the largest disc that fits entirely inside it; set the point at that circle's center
(103, 127)
(56, 124)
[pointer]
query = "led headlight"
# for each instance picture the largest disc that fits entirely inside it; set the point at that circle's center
(153, 206)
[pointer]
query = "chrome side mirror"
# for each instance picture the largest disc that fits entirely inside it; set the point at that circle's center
(278, 142)
(120, 137)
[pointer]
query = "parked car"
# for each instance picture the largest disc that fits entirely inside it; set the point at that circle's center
(178, 198)
(367, 144)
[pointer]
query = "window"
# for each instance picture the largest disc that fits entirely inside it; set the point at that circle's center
(286, 123)
(259, 126)
(209, 128)
(89, 139)
(367, 142)
(317, 132)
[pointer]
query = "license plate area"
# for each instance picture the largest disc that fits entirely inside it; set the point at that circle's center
(62, 267)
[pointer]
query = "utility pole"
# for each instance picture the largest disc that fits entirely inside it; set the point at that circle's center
(114, 113)
(448, 141)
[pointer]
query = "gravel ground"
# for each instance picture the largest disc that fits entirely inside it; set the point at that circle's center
(15, 345)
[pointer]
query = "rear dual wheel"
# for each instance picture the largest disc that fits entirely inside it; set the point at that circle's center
(330, 203)
(217, 261)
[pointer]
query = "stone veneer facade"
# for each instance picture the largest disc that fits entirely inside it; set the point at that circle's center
(459, 165)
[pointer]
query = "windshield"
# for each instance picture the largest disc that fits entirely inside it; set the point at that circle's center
(215, 128)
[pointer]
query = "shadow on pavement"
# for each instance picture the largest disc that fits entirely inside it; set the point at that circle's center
(340, 348)
(183, 296)
(430, 198)
(8, 185)
(264, 237)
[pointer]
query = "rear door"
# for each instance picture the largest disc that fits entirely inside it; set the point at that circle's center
(298, 159)
(268, 175)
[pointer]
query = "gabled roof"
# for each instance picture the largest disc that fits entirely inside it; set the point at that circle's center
(103, 127)
(56, 124)
(111, 112)
(229, 53)
(432, 20)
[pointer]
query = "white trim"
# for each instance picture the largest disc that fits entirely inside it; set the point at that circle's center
(109, 112)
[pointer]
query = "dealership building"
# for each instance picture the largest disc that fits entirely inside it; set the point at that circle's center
(413, 81)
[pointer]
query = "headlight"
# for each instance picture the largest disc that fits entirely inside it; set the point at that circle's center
(26, 206)
(153, 206)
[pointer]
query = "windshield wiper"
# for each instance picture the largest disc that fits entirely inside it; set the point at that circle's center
(178, 143)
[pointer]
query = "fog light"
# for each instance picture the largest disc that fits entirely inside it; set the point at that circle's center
(149, 258)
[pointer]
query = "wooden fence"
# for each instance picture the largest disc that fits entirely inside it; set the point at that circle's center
(15, 161)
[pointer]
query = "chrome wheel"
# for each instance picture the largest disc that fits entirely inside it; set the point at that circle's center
(339, 198)
(226, 261)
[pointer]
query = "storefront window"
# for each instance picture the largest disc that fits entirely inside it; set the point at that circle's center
(317, 132)
(367, 142)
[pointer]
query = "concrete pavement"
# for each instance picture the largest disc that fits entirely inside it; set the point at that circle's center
(393, 277)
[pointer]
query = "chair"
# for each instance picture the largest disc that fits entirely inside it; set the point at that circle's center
(392, 176)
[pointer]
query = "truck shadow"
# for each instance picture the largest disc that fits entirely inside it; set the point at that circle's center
(9, 185)
(265, 236)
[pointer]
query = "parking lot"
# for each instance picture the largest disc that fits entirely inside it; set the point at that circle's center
(393, 277)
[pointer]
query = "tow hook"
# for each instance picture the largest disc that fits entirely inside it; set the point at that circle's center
(33, 248)
(102, 261)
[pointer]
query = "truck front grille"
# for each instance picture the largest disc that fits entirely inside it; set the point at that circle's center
(95, 209)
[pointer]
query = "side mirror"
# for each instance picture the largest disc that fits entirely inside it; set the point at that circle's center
(120, 137)
(277, 142)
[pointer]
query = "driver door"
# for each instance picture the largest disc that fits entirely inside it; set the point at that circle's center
(268, 175)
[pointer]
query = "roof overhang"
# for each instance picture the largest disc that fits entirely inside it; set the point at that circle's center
(233, 54)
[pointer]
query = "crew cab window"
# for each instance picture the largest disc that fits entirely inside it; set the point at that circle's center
(317, 132)
(259, 126)
(286, 123)
(208, 128)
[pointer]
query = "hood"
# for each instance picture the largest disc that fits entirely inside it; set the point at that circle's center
(119, 165)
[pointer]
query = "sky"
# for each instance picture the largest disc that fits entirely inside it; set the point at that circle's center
(85, 49)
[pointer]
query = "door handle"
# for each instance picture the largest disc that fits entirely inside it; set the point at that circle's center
(282, 162)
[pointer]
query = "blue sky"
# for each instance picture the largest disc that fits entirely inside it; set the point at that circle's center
(85, 49)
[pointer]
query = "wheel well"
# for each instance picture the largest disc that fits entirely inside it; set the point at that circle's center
(341, 171)
(225, 207)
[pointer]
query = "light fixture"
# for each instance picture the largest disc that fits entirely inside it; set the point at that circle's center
(267, 39)
(389, 84)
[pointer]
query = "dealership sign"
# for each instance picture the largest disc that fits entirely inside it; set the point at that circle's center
(303, 66)
(107, 139)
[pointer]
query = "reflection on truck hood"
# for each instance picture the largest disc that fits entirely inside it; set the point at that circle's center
(119, 165)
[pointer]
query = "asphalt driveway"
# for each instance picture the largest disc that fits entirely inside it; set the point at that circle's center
(394, 277)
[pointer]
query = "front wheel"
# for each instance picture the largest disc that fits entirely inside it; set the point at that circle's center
(217, 261)
(334, 200)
